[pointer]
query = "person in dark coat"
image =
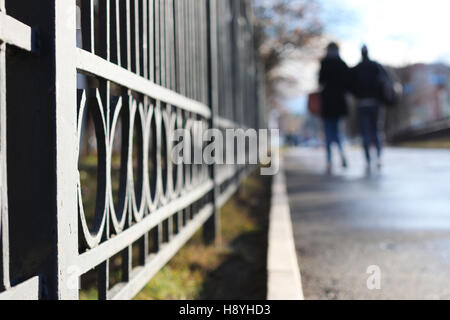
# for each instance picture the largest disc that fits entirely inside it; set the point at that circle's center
(366, 88)
(334, 80)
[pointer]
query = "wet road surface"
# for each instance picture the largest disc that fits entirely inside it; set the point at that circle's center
(397, 220)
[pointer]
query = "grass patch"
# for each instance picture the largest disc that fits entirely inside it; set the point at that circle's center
(235, 270)
(441, 143)
(89, 294)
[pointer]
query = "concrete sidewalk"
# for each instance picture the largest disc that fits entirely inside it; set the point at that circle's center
(397, 221)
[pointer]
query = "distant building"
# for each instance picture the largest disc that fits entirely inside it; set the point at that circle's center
(426, 97)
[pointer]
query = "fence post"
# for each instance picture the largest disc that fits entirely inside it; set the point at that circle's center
(65, 283)
(4, 235)
(211, 229)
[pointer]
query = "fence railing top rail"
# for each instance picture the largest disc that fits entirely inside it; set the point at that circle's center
(15, 33)
(93, 64)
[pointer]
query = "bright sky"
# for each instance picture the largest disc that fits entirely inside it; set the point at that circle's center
(398, 32)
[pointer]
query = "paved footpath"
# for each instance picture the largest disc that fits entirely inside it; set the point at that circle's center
(397, 220)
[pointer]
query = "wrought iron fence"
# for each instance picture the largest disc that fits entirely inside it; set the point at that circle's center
(91, 91)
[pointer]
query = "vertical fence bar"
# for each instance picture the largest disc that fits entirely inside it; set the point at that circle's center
(127, 17)
(151, 40)
(176, 28)
(163, 41)
(137, 36)
(190, 31)
(194, 43)
(211, 229)
(235, 60)
(205, 52)
(145, 36)
(66, 253)
(127, 253)
(175, 47)
(168, 49)
(4, 234)
(147, 42)
(157, 42)
(190, 80)
(105, 48)
(182, 48)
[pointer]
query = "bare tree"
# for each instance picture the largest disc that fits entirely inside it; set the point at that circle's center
(283, 27)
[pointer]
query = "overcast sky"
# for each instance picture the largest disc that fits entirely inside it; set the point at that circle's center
(398, 32)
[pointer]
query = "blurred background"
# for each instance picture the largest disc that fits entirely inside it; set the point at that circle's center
(408, 37)
(345, 222)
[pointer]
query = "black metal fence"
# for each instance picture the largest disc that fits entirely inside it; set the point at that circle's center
(91, 91)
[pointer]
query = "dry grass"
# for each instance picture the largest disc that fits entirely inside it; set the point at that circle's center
(235, 270)
(442, 143)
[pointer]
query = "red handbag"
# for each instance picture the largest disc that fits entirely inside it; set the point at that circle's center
(315, 103)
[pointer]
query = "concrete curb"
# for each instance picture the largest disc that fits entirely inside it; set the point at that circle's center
(284, 279)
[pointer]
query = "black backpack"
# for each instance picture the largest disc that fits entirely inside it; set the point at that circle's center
(390, 91)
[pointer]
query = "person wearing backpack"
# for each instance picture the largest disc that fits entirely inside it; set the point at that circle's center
(368, 80)
(334, 80)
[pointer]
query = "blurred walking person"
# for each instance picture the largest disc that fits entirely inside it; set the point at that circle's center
(366, 88)
(334, 80)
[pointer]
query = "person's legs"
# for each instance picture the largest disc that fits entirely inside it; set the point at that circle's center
(332, 136)
(329, 137)
(338, 141)
(375, 133)
(334, 125)
(365, 126)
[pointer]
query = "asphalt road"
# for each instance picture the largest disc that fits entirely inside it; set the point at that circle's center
(397, 220)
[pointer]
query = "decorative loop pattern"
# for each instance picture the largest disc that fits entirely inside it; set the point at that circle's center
(148, 178)
(93, 106)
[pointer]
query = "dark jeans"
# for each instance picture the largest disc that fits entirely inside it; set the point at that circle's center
(331, 126)
(368, 120)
